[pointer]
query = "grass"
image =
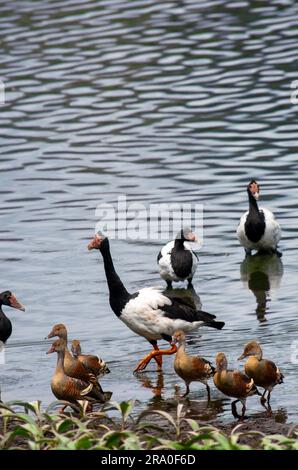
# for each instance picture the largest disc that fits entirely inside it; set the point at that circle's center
(26, 426)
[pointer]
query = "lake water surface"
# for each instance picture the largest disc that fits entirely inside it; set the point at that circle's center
(175, 101)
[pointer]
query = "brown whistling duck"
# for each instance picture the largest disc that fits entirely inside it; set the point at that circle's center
(93, 364)
(264, 373)
(9, 299)
(150, 312)
(69, 388)
(72, 366)
(191, 368)
(233, 383)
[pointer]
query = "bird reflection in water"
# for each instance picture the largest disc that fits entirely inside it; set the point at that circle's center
(262, 275)
(194, 408)
(188, 295)
(157, 386)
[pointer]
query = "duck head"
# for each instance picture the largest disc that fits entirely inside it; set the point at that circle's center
(252, 349)
(178, 337)
(58, 330)
(76, 347)
(9, 299)
(58, 346)
(221, 362)
(253, 189)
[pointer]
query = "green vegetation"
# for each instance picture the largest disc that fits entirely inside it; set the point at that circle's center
(26, 426)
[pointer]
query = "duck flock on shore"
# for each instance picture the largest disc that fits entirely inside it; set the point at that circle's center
(157, 314)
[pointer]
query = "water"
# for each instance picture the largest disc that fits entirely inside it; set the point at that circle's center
(164, 102)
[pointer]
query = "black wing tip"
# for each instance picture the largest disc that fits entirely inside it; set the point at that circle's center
(209, 315)
(218, 325)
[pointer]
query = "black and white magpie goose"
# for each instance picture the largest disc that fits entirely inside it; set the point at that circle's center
(9, 299)
(150, 312)
(258, 229)
(176, 260)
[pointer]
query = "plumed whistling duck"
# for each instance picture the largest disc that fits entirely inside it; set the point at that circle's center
(72, 366)
(149, 312)
(93, 364)
(258, 228)
(264, 373)
(176, 260)
(69, 388)
(9, 299)
(191, 368)
(233, 383)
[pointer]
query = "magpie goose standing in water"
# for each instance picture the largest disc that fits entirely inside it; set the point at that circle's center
(9, 299)
(176, 261)
(258, 228)
(150, 313)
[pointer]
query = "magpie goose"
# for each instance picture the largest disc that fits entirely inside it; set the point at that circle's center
(176, 260)
(150, 313)
(258, 228)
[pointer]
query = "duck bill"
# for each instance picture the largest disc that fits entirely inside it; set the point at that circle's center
(51, 350)
(14, 303)
(241, 357)
(50, 335)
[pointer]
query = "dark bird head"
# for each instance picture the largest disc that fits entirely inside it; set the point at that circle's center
(253, 188)
(98, 242)
(9, 299)
(187, 235)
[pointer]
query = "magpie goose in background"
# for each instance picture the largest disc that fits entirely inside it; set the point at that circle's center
(258, 229)
(176, 260)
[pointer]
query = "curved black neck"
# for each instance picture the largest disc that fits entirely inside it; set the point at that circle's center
(255, 225)
(253, 205)
(119, 296)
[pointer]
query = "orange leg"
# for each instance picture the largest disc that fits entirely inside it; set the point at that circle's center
(153, 355)
(158, 359)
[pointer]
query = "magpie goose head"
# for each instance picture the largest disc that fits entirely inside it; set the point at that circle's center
(187, 235)
(9, 299)
(254, 189)
(98, 242)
